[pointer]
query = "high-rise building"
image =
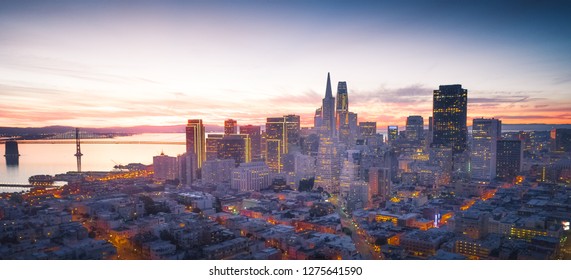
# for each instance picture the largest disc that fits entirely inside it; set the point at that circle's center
(217, 171)
(264, 146)
(509, 159)
(254, 132)
(328, 112)
(212, 144)
(236, 147)
(230, 127)
(276, 129)
(357, 195)
(367, 129)
(164, 167)
(327, 165)
(318, 119)
(485, 134)
(393, 133)
(253, 176)
(561, 140)
(310, 145)
(449, 109)
(353, 128)
(342, 112)
(274, 155)
(443, 158)
(379, 183)
(276, 142)
(304, 166)
(342, 97)
(195, 143)
(414, 128)
(350, 170)
(328, 169)
(293, 124)
(186, 171)
(298, 167)
(430, 131)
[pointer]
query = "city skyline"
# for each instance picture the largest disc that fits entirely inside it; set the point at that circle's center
(94, 64)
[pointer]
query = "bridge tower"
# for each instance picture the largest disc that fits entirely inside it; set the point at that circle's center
(78, 153)
(12, 155)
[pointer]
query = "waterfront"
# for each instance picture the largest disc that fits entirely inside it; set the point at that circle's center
(48, 158)
(51, 159)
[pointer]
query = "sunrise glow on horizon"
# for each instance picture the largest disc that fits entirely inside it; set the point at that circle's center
(128, 63)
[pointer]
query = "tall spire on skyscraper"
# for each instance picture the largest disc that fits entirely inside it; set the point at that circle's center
(328, 92)
(327, 169)
(328, 111)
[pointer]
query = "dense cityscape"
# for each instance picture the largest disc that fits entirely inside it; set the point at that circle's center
(433, 189)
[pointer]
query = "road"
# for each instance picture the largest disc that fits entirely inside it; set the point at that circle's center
(363, 247)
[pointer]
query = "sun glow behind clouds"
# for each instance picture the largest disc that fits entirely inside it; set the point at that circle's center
(159, 63)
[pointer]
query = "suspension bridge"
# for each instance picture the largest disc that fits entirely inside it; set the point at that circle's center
(101, 141)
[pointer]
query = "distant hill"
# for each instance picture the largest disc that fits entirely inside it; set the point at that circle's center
(533, 127)
(20, 131)
(12, 131)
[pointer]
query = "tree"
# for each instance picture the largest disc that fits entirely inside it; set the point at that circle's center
(16, 198)
(306, 185)
(149, 204)
(165, 235)
(380, 241)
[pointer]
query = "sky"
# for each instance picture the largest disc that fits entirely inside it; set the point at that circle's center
(127, 63)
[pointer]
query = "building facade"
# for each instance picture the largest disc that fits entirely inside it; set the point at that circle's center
(253, 176)
(485, 134)
(509, 159)
(449, 110)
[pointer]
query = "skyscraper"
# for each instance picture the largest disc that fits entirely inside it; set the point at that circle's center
(509, 159)
(276, 142)
(276, 128)
(236, 147)
(393, 133)
(342, 112)
(318, 119)
(429, 134)
(379, 183)
(328, 164)
(443, 158)
(560, 140)
(292, 129)
(367, 129)
(350, 170)
(328, 112)
(485, 134)
(195, 142)
(414, 128)
(449, 109)
(186, 171)
(254, 132)
(353, 128)
(342, 97)
(274, 155)
(212, 145)
(165, 167)
(230, 127)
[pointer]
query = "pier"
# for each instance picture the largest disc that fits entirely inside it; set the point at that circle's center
(14, 188)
